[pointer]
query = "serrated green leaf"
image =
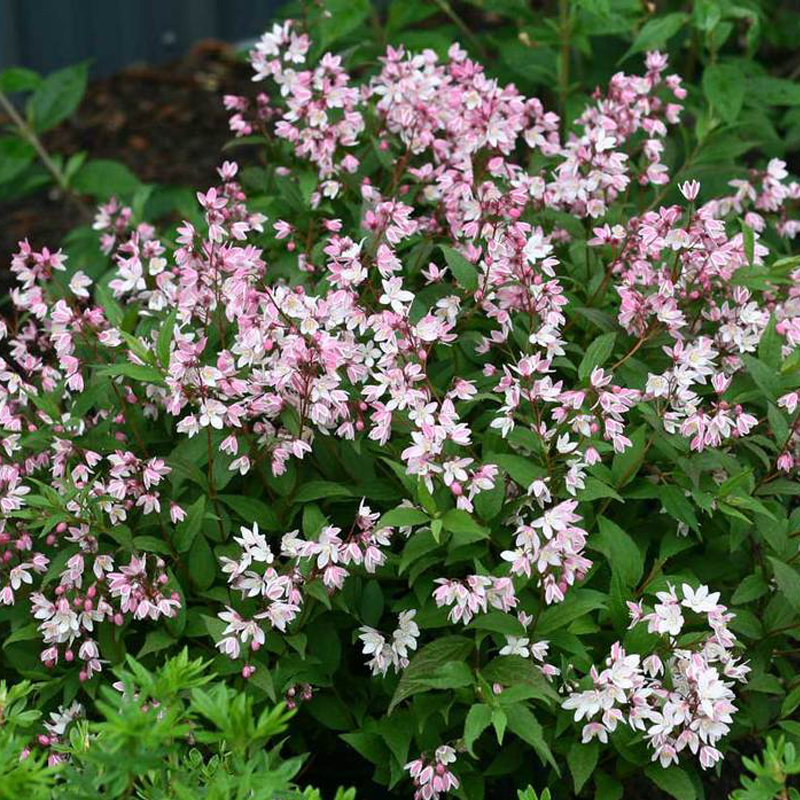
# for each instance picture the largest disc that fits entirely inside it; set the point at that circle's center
(479, 717)
(57, 97)
(319, 490)
(582, 759)
(672, 780)
(788, 581)
(524, 724)
(724, 86)
(656, 32)
(251, 510)
(427, 662)
(164, 341)
(596, 354)
(620, 550)
(187, 530)
(463, 271)
(402, 517)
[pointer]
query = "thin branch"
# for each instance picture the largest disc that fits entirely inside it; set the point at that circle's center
(28, 134)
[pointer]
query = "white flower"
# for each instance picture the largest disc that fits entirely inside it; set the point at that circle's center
(699, 601)
(395, 296)
(516, 646)
(537, 247)
(79, 284)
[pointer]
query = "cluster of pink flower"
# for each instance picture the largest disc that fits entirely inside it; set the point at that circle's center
(281, 588)
(265, 366)
(557, 556)
(117, 484)
(322, 108)
(68, 619)
(294, 694)
(432, 777)
(692, 706)
(767, 193)
(17, 561)
(474, 595)
(789, 457)
(56, 728)
(521, 646)
(393, 654)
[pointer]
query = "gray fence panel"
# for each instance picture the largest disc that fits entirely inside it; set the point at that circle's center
(48, 34)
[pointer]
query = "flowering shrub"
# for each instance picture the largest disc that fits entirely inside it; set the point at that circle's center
(166, 734)
(469, 429)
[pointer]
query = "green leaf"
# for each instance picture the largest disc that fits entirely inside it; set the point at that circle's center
(371, 604)
(429, 661)
(187, 530)
(625, 465)
(403, 517)
(23, 634)
(369, 745)
(156, 641)
(489, 504)
(788, 582)
(397, 732)
(452, 675)
(749, 243)
(523, 471)
(313, 520)
(57, 97)
(318, 490)
(672, 780)
(262, 679)
(499, 723)
(724, 86)
(774, 91)
(418, 545)
(150, 544)
(19, 79)
(677, 505)
(340, 18)
(790, 702)
(251, 510)
(582, 759)
(770, 345)
(595, 490)
(751, 588)
(606, 787)
(522, 721)
(164, 341)
(457, 521)
(102, 178)
(498, 622)
(138, 372)
(656, 32)
(109, 304)
(202, 564)
(463, 271)
(765, 378)
(596, 354)
(515, 671)
(479, 717)
(15, 156)
(624, 557)
(577, 603)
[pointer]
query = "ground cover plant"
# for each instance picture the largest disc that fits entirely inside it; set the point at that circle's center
(465, 427)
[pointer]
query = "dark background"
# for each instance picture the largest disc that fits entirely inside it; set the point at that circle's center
(46, 35)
